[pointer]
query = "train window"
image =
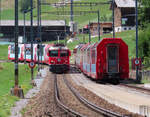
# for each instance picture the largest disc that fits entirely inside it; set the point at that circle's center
(28, 51)
(41, 48)
(12, 51)
(53, 53)
(64, 53)
(112, 59)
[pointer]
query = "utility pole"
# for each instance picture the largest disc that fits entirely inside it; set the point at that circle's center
(31, 39)
(40, 24)
(99, 38)
(136, 19)
(58, 39)
(0, 15)
(65, 33)
(113, 18)
(38, 34)
(89, 33)
(24, 33)
(17, 91)
(71, 11)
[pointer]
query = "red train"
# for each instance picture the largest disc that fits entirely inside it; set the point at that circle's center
(59, 58)
(105, 60)
(55, 55)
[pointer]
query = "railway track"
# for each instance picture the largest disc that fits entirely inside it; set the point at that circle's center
(93, 107)
(68, 111)
(140, 89)
(4, 61)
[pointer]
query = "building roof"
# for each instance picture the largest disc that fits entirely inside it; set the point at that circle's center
(27, 23)
(125, 3)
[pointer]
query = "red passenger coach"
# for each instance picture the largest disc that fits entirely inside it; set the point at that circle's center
(59, 58)
(107, 59)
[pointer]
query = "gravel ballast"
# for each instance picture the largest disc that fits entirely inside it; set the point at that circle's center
(90, 96)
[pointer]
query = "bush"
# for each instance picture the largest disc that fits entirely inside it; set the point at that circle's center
(24, 5)
(144, 42)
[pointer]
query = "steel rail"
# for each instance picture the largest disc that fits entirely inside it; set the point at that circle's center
(136, 87)
(60, 104)
(95, 108)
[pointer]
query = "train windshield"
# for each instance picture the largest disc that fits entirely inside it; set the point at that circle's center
(64, 53)
(53, 53)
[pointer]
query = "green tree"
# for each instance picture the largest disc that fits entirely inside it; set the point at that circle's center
(144, 35)
(144, 15)
(144, 42)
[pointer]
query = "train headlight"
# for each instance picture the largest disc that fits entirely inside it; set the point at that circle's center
(52, 61)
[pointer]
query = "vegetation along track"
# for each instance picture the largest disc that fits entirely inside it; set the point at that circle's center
(92, 107)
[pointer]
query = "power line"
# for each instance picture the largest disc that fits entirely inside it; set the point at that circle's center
(68, 12)
(76, 4)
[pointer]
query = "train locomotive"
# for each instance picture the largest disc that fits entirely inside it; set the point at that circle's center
(59, 58)
(104, 60)
(55, 55)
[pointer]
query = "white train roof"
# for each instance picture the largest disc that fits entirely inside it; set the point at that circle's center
(58, 47)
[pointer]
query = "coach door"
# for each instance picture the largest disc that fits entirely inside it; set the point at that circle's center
(112, 59)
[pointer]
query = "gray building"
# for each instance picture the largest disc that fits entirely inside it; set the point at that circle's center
(50, 29)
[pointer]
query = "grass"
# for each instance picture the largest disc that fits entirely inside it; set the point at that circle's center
(127, 36)
(7, 82)
(4, 52)
(83, 19)
(145, 81)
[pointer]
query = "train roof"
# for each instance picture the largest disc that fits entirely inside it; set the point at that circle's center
(88, 46)
(58, 48)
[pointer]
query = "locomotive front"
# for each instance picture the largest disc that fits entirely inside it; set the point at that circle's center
(59, 59)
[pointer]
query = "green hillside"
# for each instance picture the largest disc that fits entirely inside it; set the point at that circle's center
(105, 12)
